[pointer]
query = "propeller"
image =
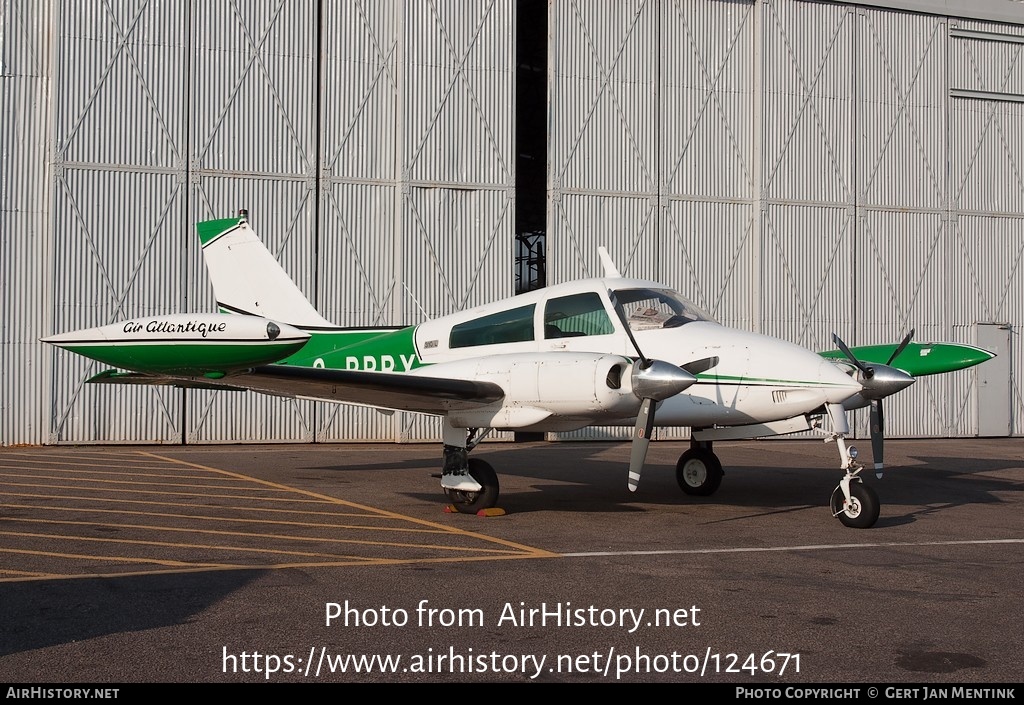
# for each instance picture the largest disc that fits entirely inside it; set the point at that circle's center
(653, 381)
(877, 382)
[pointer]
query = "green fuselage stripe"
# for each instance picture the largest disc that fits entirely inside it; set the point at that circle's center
(387, 350)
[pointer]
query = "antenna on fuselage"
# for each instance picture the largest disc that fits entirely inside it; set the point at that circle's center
(610, 270)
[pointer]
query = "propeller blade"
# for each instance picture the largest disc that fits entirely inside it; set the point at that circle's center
(702, 365)
(902, 346)
(641, 439)
(877, 435)
(867, 371)
(621, 313)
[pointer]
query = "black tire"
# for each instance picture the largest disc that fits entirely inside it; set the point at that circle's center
(699, 472)
(862, 513)
(487, 497)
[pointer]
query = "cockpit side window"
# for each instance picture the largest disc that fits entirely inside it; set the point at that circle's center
(512, 326)
(576, 315)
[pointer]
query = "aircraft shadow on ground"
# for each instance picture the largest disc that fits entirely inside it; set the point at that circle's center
(786, 478)
(39, 613)
(590, 484)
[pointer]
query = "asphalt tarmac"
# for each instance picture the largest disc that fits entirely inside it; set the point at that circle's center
(339, 563)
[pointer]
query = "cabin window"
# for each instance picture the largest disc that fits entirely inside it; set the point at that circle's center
(512, 326)
(576, 315)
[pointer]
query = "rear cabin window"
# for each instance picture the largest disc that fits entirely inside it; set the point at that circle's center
(576, 315)
(513, 326)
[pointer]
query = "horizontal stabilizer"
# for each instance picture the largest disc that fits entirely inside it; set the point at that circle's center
(136, 378)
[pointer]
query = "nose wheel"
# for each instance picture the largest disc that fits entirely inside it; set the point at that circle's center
(860, 511)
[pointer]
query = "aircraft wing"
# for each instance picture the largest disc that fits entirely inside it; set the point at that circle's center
(403, 392)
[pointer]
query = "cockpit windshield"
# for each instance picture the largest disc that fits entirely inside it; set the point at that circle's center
(650, 309)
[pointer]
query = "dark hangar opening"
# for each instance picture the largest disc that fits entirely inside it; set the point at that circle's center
(531, 143)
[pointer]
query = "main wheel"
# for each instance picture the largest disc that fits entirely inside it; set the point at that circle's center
(862, 510)
(485, 498)
(699, 472)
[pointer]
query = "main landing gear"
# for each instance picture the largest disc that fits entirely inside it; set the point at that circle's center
(699, 471)
(470, 483)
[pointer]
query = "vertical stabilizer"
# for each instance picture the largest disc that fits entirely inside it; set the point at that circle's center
(247, 279)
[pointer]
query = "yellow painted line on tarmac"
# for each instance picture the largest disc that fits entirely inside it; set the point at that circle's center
(245, 534)
(244, 508)
(247, 503)
(54, 464)
(28, 575)
(169, 544)
(173, 494)
(527, 551)
(132, 483)
(121, 471)
(186, 569)
(55, 452)
(118, 559)
(238, 520)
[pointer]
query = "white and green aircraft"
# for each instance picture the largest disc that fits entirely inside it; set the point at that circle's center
(602, 351)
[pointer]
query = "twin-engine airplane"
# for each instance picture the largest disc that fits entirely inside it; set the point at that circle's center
(603, 351)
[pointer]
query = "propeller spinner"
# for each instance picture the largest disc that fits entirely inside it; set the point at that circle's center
(653, 381)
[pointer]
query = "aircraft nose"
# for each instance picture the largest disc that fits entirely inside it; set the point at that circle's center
(837, 384)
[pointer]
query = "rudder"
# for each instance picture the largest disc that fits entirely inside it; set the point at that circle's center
(246, 277)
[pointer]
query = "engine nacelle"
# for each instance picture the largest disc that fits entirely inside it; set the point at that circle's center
(572, 389)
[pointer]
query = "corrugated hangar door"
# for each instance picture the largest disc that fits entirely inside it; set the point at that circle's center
(807, 228)
(252, 143)
(986, 268)
(418, 173)
(706, 228)
(651, 150)
(359, 241)
(161, 121)
(900, 252)
(381, 177)
(815, 168)
(25, 245)
(119, 160)
(458, 170)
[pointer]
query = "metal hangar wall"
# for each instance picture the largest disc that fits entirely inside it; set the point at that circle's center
(800, 168)
(795, 167)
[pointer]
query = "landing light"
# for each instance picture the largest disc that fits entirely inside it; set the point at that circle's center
(852, 452)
